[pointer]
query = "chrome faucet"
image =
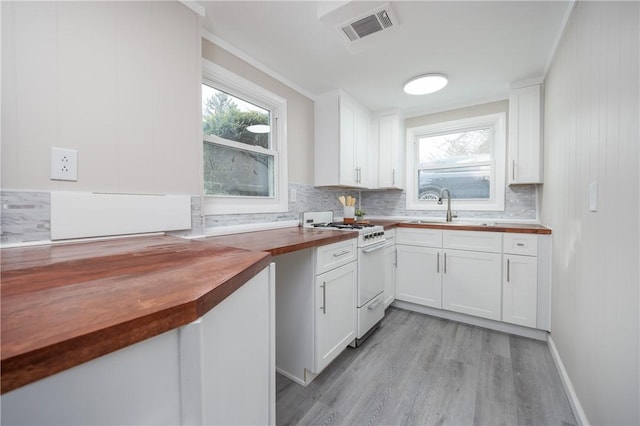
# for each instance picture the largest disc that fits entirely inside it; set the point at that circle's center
(442, 191)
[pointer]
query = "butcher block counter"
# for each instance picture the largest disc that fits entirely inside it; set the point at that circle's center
(283, 240)
(66, 304)
(521, 228)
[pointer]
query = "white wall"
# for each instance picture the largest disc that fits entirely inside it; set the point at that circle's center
(118, 81)
(592, 135)
(300, 135)
(458, 114)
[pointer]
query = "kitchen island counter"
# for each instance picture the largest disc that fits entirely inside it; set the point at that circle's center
(65, 304)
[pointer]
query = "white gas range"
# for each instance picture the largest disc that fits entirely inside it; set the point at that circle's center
(371, 242)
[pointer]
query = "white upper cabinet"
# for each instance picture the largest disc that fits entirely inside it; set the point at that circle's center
(390, 151)
(525, 135)
(342, 137)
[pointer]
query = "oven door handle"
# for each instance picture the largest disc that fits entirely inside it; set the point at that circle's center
(374, 248)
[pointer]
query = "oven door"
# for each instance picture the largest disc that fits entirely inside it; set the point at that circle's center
(370, 272)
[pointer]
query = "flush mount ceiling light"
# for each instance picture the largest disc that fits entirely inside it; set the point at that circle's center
(259, 128)
(424, 84)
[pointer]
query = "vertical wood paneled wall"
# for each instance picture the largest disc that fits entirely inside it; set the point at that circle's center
(592, 136)
(118, 81)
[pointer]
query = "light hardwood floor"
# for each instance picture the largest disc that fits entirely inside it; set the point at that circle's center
(421, 370)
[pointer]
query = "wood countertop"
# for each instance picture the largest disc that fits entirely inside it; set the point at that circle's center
(66, 304)
(283, 240)
(489, 226)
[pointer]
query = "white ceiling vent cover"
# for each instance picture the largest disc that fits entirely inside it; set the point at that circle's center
(375, 21)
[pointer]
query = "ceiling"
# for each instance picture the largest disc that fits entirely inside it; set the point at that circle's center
(483, 47)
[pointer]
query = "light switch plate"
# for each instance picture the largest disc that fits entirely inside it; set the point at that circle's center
(64, 164)
(593, 196)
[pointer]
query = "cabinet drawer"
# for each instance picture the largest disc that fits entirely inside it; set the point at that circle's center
(419, 237)
(473, 240)
(525, 244)
(333, 255)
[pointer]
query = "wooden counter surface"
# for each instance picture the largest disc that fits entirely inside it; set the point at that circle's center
(66, 304)
(472, 226)
(283, 240)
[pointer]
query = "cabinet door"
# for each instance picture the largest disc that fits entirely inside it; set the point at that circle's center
(525, 135)
(362, 151)
(418, 275)
(390, 173)
(348, 173)
(389, 275)
(335, 325)
(520, 290)
(471, 283)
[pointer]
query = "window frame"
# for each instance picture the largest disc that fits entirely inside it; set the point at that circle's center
(496, 201)
(220, 78)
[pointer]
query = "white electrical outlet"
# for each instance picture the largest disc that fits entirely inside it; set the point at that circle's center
(64, 164)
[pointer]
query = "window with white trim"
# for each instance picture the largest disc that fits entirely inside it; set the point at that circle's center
(244, 145)
(466, 156)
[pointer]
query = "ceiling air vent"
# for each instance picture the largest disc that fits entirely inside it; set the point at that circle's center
(373, 22)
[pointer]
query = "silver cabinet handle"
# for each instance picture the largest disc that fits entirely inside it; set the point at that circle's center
(341, 254)
(395, 253)
(513, 169)
(508, 270)
(438, 264)
(520, 244)
(324, 297)
(445, 263)
(393, 178)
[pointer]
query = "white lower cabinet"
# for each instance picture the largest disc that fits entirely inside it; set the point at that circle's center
(520, 290)
(219, 369)
(335, 296)
(315, 308)
(418, 278)
(501, 277)
(471, 283)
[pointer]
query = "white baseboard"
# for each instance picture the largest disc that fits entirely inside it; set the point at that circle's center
(578, 412)
(504, 327)
(291, 377)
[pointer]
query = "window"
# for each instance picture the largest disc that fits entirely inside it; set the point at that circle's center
(244, 145)
(466, 156)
